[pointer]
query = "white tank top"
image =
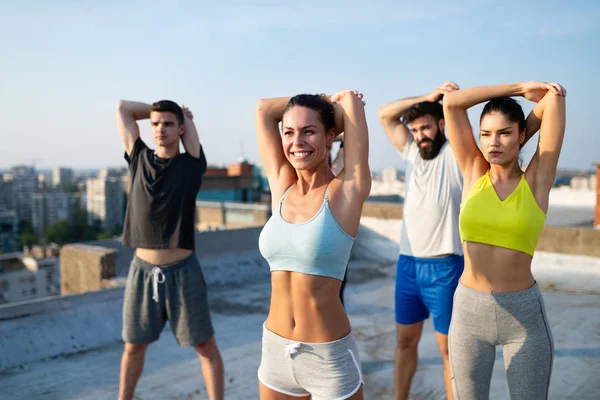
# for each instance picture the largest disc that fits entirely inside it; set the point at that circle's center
(431, 204)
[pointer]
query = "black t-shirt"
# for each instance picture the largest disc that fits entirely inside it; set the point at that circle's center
(162, 199)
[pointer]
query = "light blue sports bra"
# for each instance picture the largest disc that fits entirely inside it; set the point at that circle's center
(316, 247)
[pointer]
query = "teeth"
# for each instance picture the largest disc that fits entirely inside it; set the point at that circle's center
(301, 154)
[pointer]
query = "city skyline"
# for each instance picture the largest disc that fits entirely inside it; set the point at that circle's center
(68, 67)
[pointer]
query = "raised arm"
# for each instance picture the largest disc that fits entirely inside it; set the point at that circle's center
(534, 121)
(469, 157)
(390, 115)
(269, 113)
(128, 113)
(337, 165)
(356, 174)
(190, 138)
(551, 114)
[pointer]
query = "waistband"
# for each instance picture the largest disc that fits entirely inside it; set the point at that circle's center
(433, 260)
(148, 267)
(158, 271)
(533, 293)
(326, 349)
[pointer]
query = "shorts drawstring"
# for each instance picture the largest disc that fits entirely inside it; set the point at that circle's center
(157, 277)
(291, 349)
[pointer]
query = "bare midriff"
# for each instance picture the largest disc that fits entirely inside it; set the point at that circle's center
(306, 308)
(496, 269)
(162, 256)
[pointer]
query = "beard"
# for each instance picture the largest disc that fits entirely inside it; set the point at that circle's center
(433, 147)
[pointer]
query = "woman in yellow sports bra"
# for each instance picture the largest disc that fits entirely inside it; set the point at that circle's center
(502, 215)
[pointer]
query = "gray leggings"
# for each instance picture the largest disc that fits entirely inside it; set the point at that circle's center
(517, 321)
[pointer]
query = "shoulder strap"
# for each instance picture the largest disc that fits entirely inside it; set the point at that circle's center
(326, 197)
(285, 193)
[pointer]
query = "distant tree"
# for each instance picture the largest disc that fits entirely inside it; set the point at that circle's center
(25, 226)
(76, 229)
(60, 232)
(70, 188)
(81, 230)
(27, 237)
(104, 236)
(116, 230)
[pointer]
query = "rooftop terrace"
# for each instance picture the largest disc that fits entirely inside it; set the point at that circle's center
(69, 347)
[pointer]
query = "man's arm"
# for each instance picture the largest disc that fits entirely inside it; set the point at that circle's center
(390, 114)
(337, 165)
(128, 113)
(190, 138)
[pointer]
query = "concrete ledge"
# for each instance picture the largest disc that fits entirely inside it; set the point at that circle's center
(382, 210)
(378, 242)
(84, 268)
(37, 330)
(577, 241)
(46, 328)
(567, 272)
(555, 239)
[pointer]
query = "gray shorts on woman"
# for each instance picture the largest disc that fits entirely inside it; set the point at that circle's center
(516, 321)
(325, 371)
(174, 292)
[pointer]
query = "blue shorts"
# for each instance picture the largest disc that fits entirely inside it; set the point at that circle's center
(427, 285)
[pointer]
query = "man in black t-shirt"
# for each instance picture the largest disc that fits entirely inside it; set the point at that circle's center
(165, 280)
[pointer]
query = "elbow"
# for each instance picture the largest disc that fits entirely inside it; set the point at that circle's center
(122, 106)
(450, 101)
(262, 106)
(555, 98)
(382, 115)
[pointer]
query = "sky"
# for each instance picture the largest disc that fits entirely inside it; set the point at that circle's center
(65, 64)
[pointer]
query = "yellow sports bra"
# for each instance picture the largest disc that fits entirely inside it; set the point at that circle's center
(515, 223)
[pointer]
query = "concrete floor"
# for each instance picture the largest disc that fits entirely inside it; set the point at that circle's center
(172, 372)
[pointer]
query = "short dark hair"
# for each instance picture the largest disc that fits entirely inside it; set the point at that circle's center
(318, 103)
(422, 109)
(168, 106)
(509, 107)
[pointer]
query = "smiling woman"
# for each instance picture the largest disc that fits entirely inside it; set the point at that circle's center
(308, 128)
(308, 349)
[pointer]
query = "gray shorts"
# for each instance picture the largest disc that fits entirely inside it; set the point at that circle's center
(174, 292)
(323, 370)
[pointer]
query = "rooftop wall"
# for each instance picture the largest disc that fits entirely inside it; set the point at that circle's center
(61, 325)
(564, 240)
(45, 328)
(597, 213)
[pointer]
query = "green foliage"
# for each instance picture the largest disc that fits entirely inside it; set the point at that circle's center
(27, 237)
(104, 235)
(70, 188)
(60, 232)
(78, 229)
